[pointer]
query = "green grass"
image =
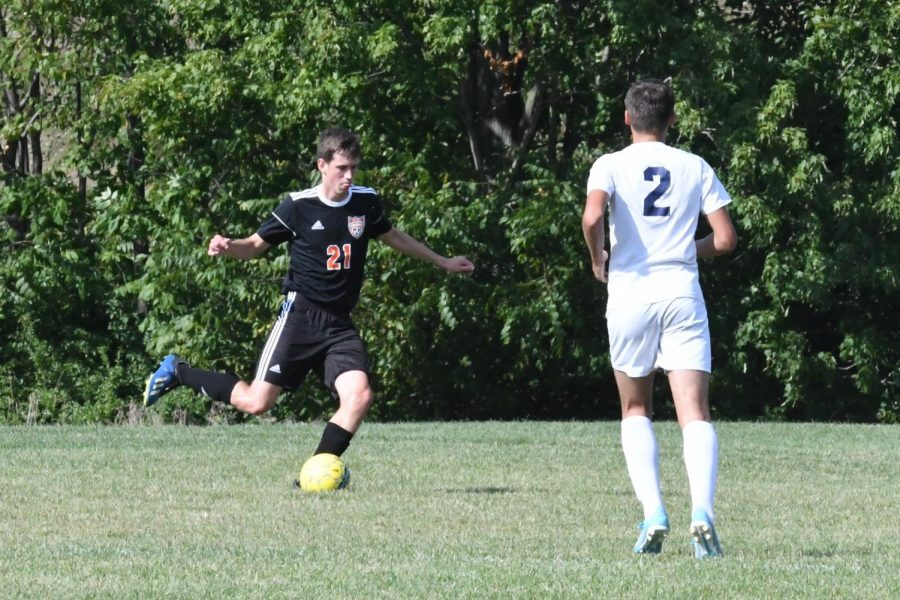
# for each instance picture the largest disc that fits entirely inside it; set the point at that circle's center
(451, 510)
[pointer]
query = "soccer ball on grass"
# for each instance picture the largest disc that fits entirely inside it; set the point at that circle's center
(323, 473)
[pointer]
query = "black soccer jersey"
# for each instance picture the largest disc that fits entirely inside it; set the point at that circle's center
(328, 243)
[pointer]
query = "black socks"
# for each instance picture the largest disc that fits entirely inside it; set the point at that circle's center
(209, 383)
(335, 440)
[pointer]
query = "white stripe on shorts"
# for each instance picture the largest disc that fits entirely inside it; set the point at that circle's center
(272, 342)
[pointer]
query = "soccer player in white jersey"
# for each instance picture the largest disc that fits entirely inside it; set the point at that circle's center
(656, 315)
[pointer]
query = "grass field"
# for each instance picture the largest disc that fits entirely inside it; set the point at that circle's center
(449, 510)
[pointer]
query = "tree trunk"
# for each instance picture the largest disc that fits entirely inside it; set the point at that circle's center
(34, 137)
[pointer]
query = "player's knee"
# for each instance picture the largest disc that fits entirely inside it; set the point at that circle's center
(634, 406)
(632, 401)
(360, 400)
(256, 405)
(257, 408)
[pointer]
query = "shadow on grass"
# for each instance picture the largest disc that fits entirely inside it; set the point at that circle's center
(480, 490)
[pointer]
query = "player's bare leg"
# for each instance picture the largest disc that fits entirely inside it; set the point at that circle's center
(254, 398)
(635, 394)
(355, 398)
(642, 459)
(690, 391)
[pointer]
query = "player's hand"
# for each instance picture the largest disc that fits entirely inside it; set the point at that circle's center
(218, 245)
(458, 264)
(600, 271)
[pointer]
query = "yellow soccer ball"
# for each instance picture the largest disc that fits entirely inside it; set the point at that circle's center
(324, 473)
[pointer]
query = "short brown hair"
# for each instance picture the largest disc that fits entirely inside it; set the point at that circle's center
(650, 104)
(336, 140)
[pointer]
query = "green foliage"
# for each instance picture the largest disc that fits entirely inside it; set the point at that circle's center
(479, 347)
(823, 171)
(67, 341)
(184, 118)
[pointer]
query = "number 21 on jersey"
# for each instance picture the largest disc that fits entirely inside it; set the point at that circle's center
(334, 262)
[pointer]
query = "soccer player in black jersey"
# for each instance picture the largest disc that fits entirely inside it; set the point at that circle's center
(328, 229)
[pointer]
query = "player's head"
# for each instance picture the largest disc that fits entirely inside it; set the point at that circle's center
(337, 140)
(650, 105)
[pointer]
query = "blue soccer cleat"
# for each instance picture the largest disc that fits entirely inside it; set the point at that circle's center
(162, 381)
(653, 533)
(703, 536)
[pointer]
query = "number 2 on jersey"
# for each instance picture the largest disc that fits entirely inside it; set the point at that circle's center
(650, 208)
(334, 257)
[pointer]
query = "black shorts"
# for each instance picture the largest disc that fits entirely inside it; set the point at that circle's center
(306, 337)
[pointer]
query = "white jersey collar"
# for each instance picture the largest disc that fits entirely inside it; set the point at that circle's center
(332, 203)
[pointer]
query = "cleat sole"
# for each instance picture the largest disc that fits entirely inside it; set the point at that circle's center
(705, 543)
(653, 543)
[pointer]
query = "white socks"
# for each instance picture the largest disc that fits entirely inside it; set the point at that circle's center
(701, 459)
(642, 460)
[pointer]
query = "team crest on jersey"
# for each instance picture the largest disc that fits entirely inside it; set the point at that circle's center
(356, 225)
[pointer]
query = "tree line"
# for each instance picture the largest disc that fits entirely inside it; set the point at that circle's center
(131, 132)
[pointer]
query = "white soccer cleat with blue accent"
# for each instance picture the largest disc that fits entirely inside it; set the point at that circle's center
(703, 536)
(654, 532)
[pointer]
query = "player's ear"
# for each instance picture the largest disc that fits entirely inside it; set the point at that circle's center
(321, 163)
(627, 118)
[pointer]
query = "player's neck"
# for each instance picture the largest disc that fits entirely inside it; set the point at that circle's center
(647, 136)
(335, 195)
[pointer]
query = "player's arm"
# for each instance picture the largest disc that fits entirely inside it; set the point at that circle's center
(722, 239)
(243, 249)
(592, 225)
(405, 243)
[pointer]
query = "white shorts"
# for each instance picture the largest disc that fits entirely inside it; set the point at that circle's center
(671, 335)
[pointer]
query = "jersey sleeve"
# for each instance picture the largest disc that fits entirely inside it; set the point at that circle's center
(600, 177)
(714, 194)
(281, 226)
(380, 223)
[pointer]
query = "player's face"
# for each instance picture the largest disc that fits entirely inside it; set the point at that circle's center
(337, 175)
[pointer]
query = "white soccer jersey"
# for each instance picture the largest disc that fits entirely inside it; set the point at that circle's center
(656, 194)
